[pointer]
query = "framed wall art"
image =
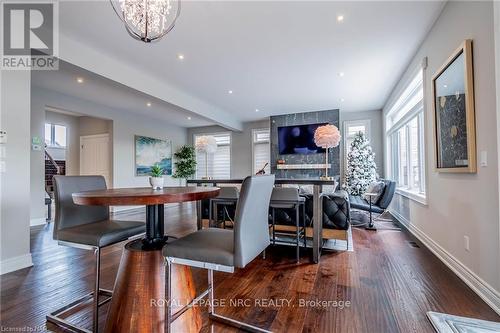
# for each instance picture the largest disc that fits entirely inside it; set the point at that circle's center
(454, 116)
(151, 151)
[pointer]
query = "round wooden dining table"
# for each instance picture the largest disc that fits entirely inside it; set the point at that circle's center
(138, 301)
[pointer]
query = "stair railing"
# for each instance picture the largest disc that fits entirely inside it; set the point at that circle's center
(49, 157)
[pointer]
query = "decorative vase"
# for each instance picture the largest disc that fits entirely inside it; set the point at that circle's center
(156, 182)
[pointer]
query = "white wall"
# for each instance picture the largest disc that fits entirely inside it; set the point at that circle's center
(15, 181)
(241, 145)
(72, 151)
(461, 204)
(376, 137)
(497, 81)
(94, 126)
(125, 126)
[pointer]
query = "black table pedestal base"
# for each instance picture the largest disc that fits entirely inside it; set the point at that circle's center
(155, 230)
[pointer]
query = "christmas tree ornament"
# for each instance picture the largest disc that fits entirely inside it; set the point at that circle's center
(361, 167)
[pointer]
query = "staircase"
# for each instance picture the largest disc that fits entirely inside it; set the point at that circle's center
(52, 168)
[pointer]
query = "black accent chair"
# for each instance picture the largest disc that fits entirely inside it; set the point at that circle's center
(288, 198)
(381, 204)
(228, 197)
(336, 216)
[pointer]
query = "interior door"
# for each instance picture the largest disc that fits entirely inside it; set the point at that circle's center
(95, 156)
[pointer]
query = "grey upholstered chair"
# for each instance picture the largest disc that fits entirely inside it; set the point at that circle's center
(288, 198)
(224, 249)
(379, 207)
(228, 196)
(88, 228)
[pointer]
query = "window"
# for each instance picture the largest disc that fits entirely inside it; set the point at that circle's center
(351, 128)
(219, 163)
(405, 137)
(55, 136)
(261, 150)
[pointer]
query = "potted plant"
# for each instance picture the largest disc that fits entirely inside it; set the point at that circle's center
(156, 179)
(185, 166)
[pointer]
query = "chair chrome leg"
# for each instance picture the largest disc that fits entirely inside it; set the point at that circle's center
(216, 215)
(210, 208)
(168, 296)
(228, 321)
(223, 216)
(211, 309)
(347, 240)
(304, 225)
(274, 229)
(95, 322)
(56, 318)
(297, 231)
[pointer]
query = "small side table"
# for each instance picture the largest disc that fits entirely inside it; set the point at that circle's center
(371, 225)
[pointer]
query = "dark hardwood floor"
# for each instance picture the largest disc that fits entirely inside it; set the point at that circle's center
(385, 285)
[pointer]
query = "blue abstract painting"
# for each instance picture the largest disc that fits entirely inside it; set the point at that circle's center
(151, 151)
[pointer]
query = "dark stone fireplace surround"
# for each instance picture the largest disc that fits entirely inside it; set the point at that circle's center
(329, 116)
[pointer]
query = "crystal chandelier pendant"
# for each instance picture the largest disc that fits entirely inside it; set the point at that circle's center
(147, 20)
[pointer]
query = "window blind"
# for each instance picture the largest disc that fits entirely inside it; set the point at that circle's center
(261, 150)
(219, 163)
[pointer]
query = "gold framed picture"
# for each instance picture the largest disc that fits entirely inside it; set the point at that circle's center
(454, 116)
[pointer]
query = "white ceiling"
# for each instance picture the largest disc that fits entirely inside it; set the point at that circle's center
(103, 91)
(280, 57)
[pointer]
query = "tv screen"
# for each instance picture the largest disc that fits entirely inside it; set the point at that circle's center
(298, 139)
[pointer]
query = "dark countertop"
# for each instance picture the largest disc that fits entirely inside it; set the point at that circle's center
(301, 181)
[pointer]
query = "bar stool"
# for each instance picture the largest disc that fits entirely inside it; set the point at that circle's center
(223, 250)
(228, 197)
(87, 228)
(288, 198)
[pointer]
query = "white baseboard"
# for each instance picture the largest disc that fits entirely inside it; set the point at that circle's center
(16, 263)
(478, 285)
(116, 209)
(37, 221)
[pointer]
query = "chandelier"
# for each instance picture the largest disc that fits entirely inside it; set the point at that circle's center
(147, 20)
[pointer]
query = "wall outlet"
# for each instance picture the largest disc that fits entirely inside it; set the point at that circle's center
(466, 243)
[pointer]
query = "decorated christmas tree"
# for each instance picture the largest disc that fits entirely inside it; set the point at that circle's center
(185, 165)
(361, 167)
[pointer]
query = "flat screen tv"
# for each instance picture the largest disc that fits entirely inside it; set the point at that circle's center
(298, 139)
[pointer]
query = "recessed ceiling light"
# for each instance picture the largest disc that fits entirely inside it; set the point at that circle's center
(341, 74)
(148, 103)
(229, 91)
(189, 118)
(257, 110)
(342, 99)
(180, 56)
(445, 86)
(340, 18)
(79, 79)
